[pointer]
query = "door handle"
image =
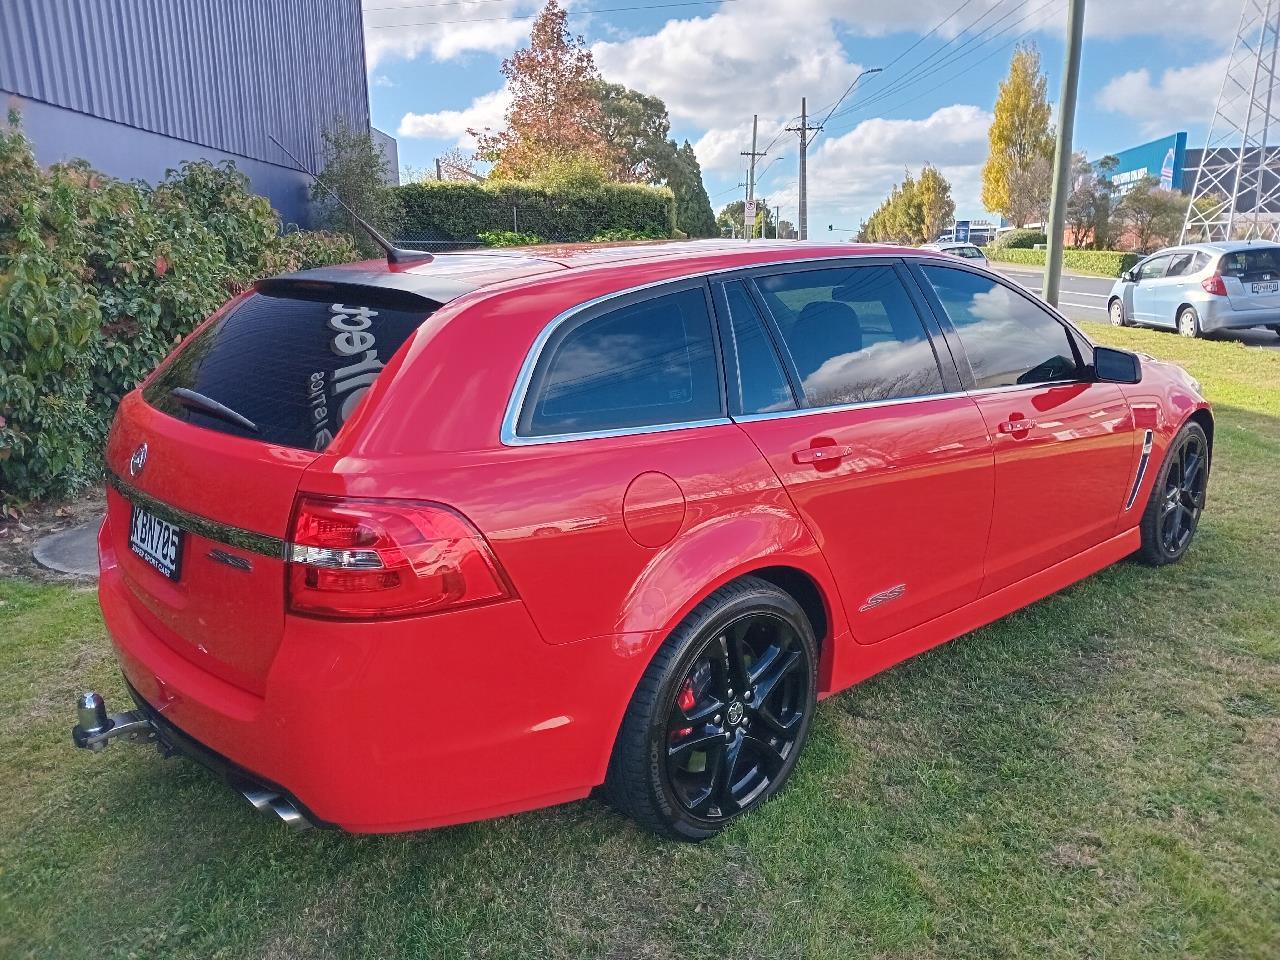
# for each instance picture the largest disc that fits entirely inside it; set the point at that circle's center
(1021, 425)
(822, 454)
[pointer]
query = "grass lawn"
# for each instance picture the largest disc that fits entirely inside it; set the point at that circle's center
(1096, 776)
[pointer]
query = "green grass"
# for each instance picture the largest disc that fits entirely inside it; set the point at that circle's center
(1095, 776)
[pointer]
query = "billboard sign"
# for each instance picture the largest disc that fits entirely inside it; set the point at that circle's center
(962, 231)
(1162, 159)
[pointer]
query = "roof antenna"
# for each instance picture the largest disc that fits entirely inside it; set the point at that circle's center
(394, 254)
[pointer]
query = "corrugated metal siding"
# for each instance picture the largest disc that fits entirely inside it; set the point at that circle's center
(221, 73)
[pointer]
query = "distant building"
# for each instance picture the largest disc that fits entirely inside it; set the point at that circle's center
(136, 88)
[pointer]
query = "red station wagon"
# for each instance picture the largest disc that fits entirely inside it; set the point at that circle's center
(400, 545)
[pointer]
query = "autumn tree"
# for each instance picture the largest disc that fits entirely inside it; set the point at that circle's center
(916, 210)
(1017, 177)
(555, 113)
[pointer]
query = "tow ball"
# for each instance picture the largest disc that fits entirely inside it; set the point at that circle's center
(97, 728)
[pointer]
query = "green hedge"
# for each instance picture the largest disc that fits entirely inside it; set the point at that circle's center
(434, 212)
(1104, 263)
(98, 280)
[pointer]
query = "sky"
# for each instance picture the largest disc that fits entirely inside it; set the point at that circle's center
(1149, 68)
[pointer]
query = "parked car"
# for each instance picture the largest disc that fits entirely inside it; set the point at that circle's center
(1202, 287)
(399, 546)
(967, 251)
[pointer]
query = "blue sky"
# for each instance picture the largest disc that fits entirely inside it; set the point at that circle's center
(1150, 67)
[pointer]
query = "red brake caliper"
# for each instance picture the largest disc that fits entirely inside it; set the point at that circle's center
(685, 701)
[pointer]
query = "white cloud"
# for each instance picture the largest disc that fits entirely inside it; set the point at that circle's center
(382, 80)
(487, 110)
(849, 175)
(1188, 93)
(444, 32)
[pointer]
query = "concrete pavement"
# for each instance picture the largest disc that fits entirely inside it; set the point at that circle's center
(1082, 297)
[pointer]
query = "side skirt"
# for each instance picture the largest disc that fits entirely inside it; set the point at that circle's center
(868, 661)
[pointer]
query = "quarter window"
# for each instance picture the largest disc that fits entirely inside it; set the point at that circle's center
(853, 335)
(646, 364)
(1007, 338)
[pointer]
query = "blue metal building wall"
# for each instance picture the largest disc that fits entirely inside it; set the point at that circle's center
(186, 79)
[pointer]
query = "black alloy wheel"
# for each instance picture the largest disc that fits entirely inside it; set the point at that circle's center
(719, 720)
(1173, 512)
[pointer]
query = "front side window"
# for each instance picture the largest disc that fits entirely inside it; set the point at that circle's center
(1154, 268)
(1007, 338)
(853, 335)
(649, 363)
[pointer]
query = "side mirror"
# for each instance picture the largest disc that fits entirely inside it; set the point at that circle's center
(1116, 366)
(1130, 276)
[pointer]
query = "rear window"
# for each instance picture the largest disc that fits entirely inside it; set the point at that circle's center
(1248, 263)
(287, 370)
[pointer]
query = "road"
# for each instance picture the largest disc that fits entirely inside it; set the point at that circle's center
(1085, 298)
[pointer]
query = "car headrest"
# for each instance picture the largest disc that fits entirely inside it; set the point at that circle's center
(824, 329)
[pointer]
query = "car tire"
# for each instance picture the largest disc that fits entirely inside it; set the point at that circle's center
(687, 733)
(1115, 310)
(1177, 499)
(1189, 322)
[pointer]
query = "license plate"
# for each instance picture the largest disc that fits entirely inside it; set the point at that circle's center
(156, 541)
(1272, 286)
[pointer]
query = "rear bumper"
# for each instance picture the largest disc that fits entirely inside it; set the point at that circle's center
(398, 725)
(1217, 314)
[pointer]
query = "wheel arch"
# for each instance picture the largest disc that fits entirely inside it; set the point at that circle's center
(1204, 417)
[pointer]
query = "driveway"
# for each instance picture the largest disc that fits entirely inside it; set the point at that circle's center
(1083, 297)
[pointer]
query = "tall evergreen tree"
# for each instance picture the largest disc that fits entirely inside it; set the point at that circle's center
(1017, 177)
(693, 206)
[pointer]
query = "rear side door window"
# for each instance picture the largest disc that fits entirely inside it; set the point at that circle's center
(1007, 338)
(648, 363)
(852, 335)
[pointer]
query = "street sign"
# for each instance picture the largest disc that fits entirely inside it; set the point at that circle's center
(962, 231)
(749, 218)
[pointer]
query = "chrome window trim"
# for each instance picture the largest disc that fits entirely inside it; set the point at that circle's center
(509, 435)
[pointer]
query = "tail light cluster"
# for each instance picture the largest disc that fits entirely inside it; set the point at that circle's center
(368, 559)
(1214, 285)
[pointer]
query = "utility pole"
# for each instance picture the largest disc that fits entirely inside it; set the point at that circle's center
(777, 221)
(1062, 159)
(749, 230)
(803, 130)
(439, 170)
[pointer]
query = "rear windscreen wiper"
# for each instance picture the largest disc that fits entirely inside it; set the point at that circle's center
(198, 401)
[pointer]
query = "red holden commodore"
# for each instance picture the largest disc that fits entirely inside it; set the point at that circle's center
(400, 545)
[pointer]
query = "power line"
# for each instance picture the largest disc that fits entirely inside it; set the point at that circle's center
(534, 16)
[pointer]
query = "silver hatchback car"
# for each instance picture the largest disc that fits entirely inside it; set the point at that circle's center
(1202, 287)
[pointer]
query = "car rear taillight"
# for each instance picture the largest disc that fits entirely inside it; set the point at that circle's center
(368, 559)
(1214, 285)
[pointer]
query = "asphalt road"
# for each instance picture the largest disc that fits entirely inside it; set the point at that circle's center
(1085, 298)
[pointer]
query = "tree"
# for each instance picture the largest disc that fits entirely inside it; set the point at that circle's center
(1016, 179)
(555, 113)
(1089, 205)
(636, 128)
(693, 206)
(1151, 215)
(355, 169)
(915, 212)
(937, 209)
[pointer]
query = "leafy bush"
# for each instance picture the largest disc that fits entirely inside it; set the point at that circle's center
(617, 236)
(1020, 239)
(435, 211)
(98, 280)
(1104, 263)
(509, 238)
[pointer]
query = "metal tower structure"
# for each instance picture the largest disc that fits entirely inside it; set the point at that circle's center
(1237, 188)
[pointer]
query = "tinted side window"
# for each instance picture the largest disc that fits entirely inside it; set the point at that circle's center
(853, 334)
(1007, 338)
(646, 364)
(762, 385)
(1181, 265)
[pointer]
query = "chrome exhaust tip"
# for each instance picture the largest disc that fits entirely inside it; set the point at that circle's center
(269, 801)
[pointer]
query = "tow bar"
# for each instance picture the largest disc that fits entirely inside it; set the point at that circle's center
(97, 729)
